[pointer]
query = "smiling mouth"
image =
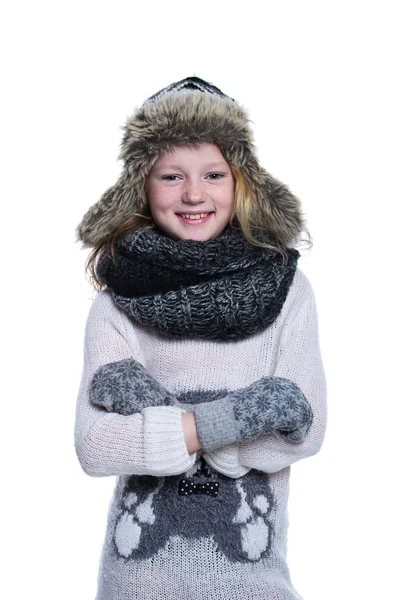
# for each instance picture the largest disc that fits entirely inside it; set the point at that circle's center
(194, 216)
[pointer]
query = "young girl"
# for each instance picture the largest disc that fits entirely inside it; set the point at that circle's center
(203, 379)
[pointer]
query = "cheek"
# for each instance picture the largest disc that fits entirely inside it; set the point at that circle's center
(229, 198)
(158, 198)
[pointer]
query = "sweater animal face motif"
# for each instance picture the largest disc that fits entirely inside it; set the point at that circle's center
(204, 503)
(201, 504)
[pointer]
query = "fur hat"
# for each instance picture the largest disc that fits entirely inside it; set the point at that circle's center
(189, 112)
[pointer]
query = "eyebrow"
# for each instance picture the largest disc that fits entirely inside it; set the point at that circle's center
(209, 166)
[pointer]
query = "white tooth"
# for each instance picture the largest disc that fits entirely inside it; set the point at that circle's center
(194, 216)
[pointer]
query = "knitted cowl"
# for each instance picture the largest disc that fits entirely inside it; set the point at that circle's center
(222, 289)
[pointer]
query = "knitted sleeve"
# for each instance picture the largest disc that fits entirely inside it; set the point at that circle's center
(146, 443)
(299, 359)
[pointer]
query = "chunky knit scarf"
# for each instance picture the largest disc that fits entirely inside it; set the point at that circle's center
(222, 289)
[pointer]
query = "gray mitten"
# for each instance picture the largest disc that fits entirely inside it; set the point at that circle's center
(269, 404)
(126, 387)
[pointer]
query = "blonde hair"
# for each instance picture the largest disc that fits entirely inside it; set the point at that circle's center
(244, 212)
(246, 216)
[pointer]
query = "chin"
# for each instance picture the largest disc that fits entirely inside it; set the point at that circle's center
(199, 236)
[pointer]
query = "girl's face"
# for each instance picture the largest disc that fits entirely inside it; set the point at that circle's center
(191, 192)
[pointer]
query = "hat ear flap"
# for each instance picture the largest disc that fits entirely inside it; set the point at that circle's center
(282, 209)
(108, 214)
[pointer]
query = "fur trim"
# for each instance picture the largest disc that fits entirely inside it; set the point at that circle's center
(187, 118)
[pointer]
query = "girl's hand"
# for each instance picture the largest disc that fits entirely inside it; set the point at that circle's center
(126, 387)
(271, 404)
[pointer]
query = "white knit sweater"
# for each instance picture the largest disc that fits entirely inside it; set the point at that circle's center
(241, 552)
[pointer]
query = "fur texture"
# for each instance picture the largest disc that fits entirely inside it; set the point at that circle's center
(238, 517)
(187, 118)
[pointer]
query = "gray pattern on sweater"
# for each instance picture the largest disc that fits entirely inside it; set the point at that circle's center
(151, 511)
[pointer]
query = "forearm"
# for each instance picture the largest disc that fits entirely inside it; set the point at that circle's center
(269, 404)
(300, 361)
(270, 453)
(149, 442)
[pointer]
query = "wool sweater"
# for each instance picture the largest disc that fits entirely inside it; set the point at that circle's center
(204, 525)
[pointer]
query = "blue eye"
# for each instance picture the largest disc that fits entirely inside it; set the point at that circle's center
(169, 177)
(215, 176)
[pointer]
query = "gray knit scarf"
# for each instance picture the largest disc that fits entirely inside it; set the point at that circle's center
(222, 289)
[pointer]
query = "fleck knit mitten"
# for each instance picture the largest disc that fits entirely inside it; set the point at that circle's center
(126, 387)
(269, 404)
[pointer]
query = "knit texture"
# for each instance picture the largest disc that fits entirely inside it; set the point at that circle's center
(222, 289)
(189, 84)
(208, 525)
(269, 404)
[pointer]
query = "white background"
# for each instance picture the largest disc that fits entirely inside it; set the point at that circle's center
(320, 80)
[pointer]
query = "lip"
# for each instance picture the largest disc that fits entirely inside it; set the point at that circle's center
(194, 221)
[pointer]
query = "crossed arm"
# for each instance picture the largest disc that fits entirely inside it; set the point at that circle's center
(154, 442)
(269, 404)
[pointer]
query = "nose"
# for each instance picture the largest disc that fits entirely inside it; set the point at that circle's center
(193, 193)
